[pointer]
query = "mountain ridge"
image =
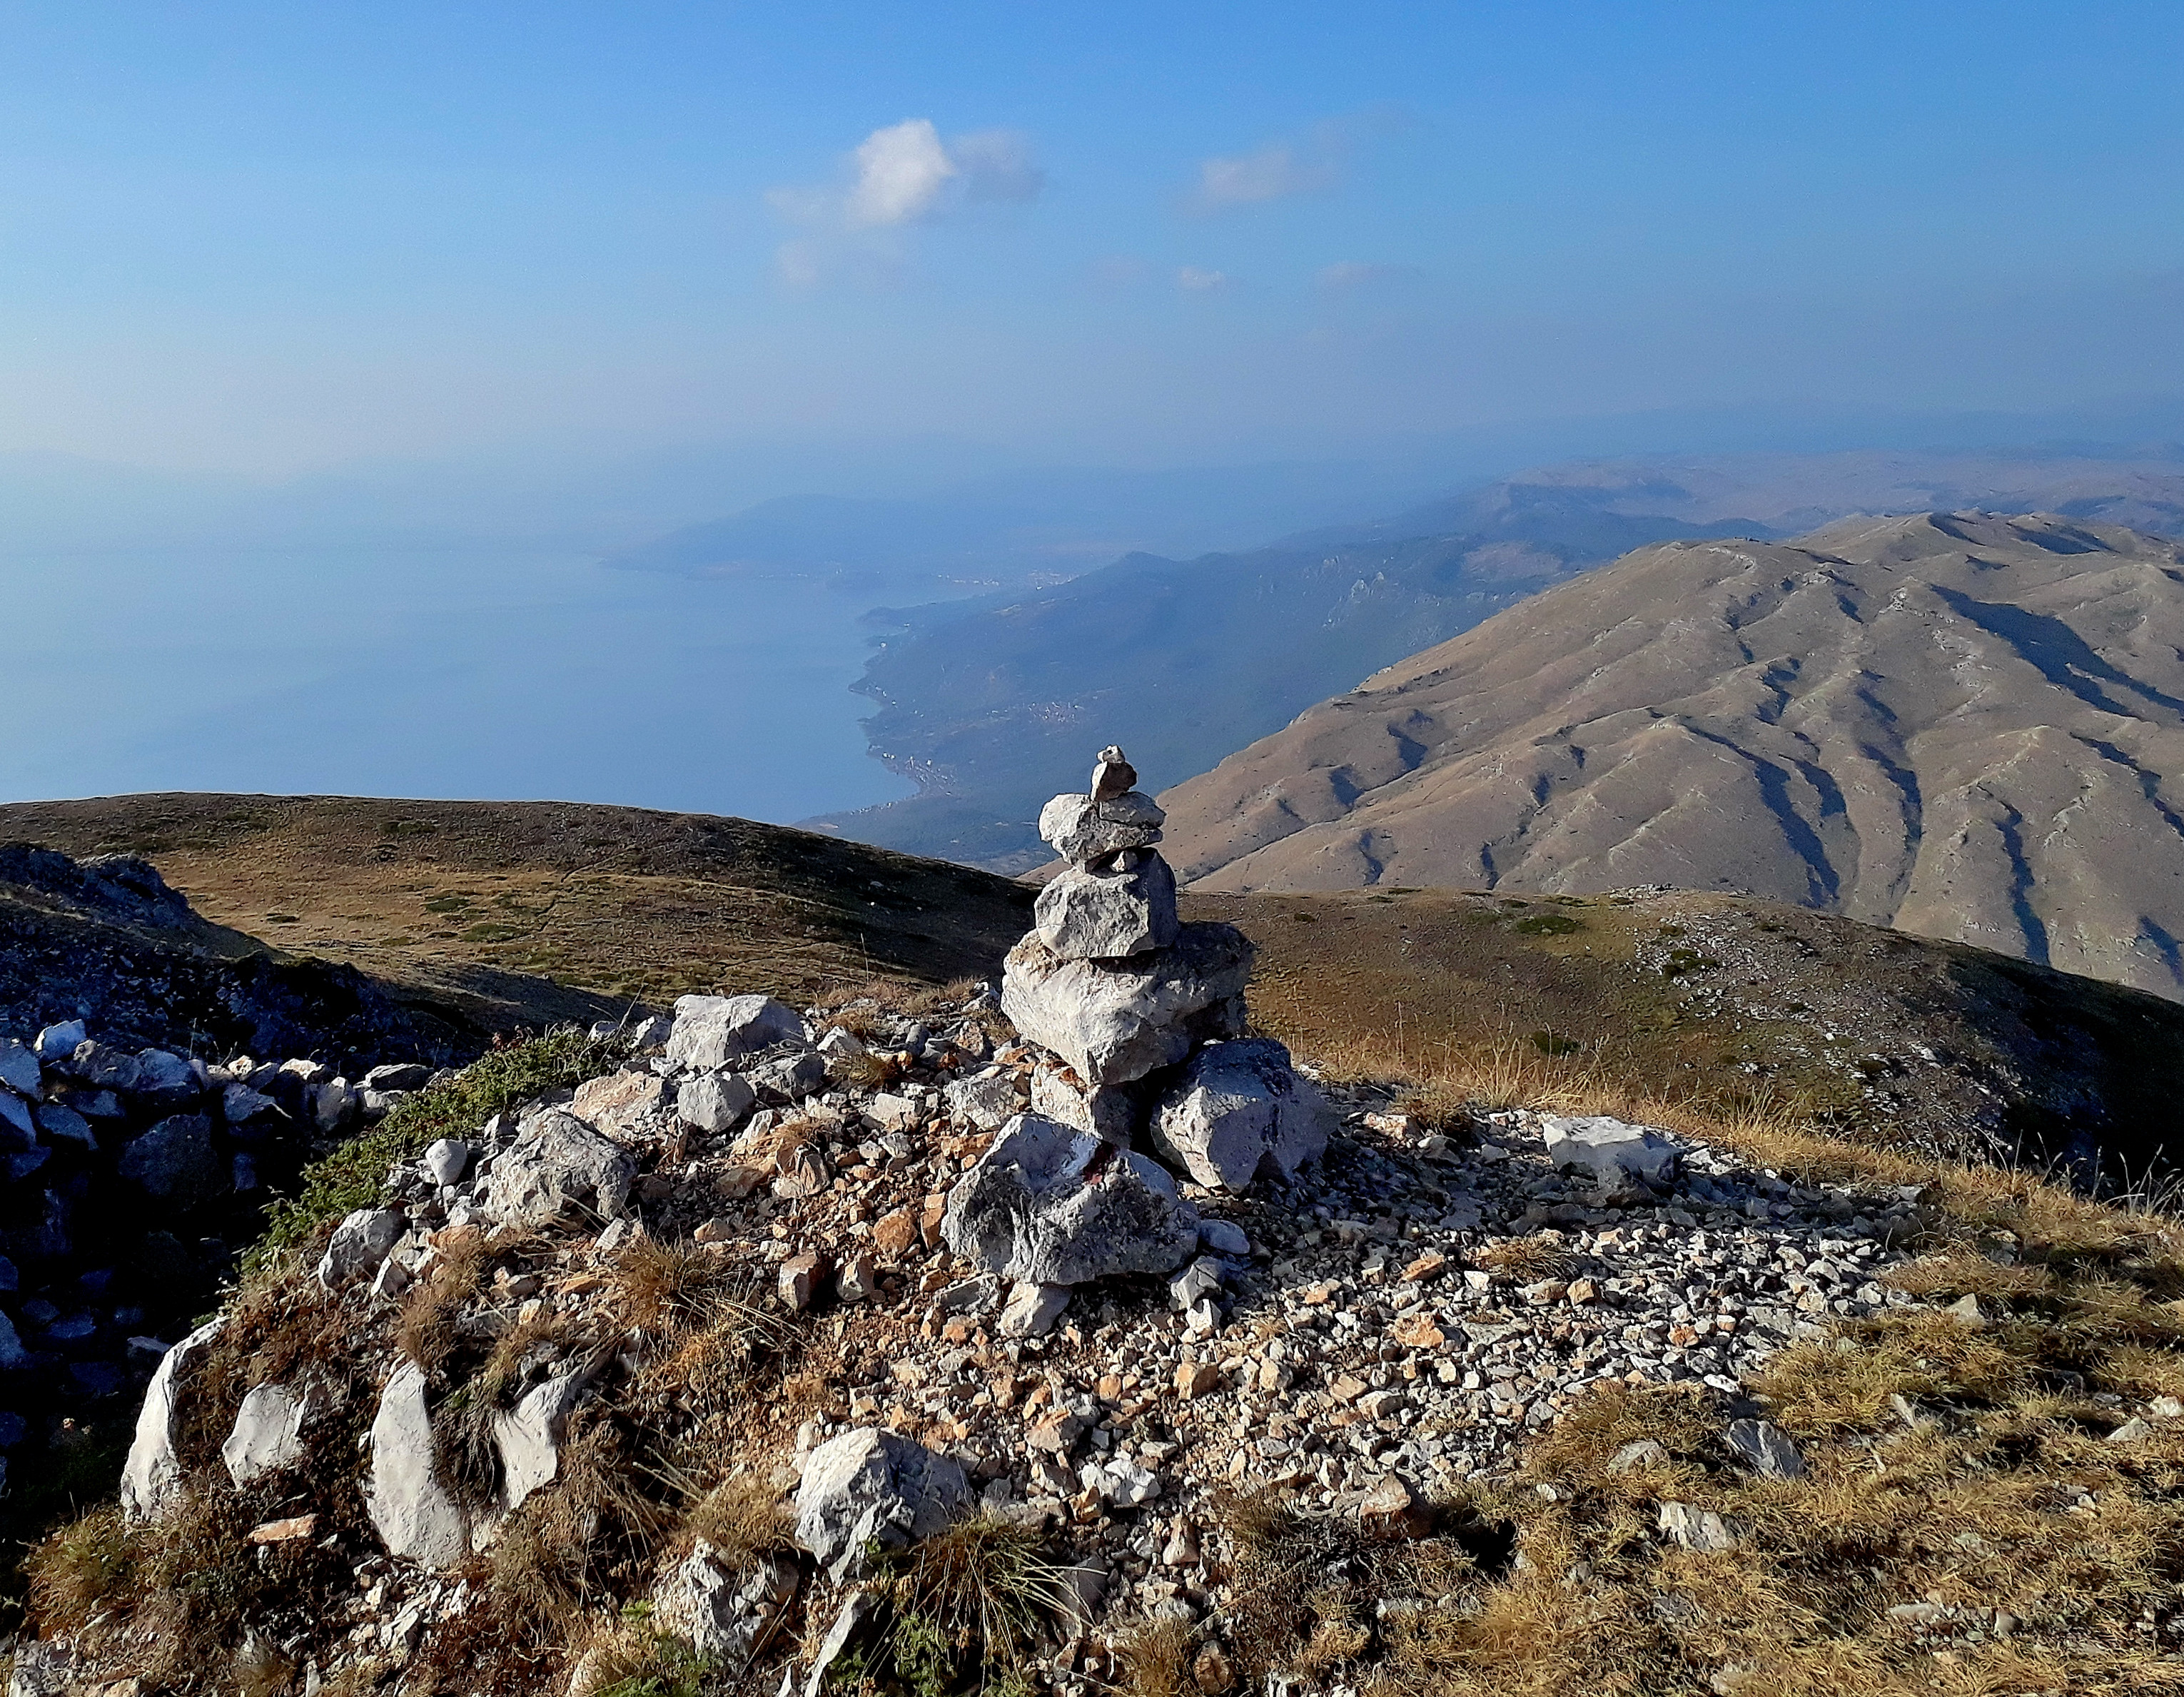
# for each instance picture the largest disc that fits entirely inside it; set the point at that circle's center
(1186, 661)
(1879, 719)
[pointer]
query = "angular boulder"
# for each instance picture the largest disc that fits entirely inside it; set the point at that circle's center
(1048, 1204)
(18, 1126)
(1111, 1112)
(984, 1103)
(1081, 830)
(151, 1478)
(174, 1161)
(1092, 914)
(58, 1042)
(715, 1101)
(361, 1243)
(1240, 1113)
(1612, 1151)
(446, 1159)
(715, 1030)
(1766, 1448)
(1114, 1021)
(617, 1103)
(557, 1166)
(873, 1487)
(19, 1068)
(413, 1513)
(528, 1436)
(267, 1435)
(726, 1613)
(62, 1124)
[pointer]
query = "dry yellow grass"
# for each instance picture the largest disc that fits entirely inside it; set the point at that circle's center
(1999, 1491)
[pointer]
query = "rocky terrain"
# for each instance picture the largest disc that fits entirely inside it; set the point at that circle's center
(107, 939)
(1725, 1000)
(133, 1172)
(1070, 1336)
(1965, 726)
(1188, 660)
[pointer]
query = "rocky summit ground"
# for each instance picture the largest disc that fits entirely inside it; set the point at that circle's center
(1497, 1401)
(768, 1348)
(1968, 725)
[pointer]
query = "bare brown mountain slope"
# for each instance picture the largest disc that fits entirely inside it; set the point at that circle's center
(1964, 726)
(524, 913)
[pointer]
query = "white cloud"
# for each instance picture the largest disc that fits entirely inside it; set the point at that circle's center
(1199, 281)
(901, 172)
(901, 175)
(1252, 179)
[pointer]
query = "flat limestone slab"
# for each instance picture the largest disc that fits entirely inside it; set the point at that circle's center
(1113, 1020)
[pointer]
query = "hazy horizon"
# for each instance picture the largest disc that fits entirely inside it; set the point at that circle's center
(321, 328)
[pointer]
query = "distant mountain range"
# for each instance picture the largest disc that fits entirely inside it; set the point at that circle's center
(1014, 530)
(1964, 726)
(991, 704)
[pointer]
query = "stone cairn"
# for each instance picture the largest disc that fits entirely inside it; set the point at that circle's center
(1147, 1067)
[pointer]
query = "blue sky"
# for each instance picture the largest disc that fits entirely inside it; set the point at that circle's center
(261, 239)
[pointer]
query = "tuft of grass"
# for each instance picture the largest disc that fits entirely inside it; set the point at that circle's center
(1157, 1656)
(634, 1659)
(744, 1518)
(974, 1596)
(673, 1290)
(353, 1175)
(1528, 1259)
(74, 1571)
(426, 1330)
(260, 1670)
(867, 1072)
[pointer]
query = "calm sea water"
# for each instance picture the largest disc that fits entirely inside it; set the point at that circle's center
(498, 675)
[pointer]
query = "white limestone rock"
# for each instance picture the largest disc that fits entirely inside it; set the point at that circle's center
(361, 1243)
(528, 1436)
(714, 1032)
(151, 1478)
(1613, 1151)
(1111, 1021)
(1047, 1205)
(267, 1435)
(1110, 1112)
(58, 1042)
(446, 1159)
(1081, 830)
(1031, 1310)
(1241, 1112)
(985, 1103)
(870, 1487)
(413, 1513)
(1092, 912)
(715, 1101)
(19, 1068)
(725, 1613)
(557, 1166)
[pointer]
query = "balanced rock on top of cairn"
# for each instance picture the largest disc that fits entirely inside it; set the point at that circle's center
(1122, 994)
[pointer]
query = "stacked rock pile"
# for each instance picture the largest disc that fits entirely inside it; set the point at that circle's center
(1146, 1060)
